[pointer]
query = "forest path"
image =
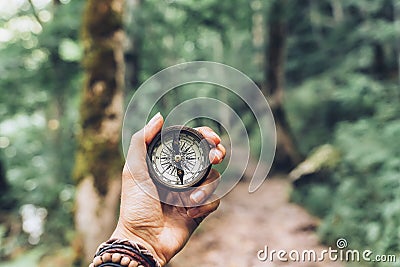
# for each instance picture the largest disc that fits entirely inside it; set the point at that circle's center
(246, 223)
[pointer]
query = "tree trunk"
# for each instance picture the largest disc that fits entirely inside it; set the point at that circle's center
(286, 156)
(98, 162)
(396, 21)
(4, 203)
(378, 68)
(133, 44)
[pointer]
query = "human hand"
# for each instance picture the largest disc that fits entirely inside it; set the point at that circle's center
(163, 229)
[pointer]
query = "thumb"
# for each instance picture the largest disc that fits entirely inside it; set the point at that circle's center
(136, 157)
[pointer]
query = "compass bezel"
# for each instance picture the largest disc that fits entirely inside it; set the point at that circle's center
(201, 142)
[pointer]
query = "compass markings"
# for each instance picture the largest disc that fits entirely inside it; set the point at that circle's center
(165, 170)
(176, 170)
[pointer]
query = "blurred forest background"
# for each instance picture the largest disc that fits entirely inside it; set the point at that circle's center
(330, 69)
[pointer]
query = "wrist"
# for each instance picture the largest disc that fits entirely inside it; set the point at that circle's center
(122, 233)
(123, 253)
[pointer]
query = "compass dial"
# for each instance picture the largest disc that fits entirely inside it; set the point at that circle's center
(178, 158)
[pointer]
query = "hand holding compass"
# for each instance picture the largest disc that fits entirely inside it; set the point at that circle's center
(164, 228)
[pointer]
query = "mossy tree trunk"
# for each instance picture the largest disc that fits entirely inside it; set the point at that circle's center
(99, 162)
(287, 155)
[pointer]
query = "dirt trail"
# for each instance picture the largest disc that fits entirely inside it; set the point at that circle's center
(246, 223)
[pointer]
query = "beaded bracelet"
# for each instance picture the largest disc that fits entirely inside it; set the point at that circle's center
(123, 252)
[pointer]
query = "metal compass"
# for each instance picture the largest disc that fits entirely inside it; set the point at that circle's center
(178, 158)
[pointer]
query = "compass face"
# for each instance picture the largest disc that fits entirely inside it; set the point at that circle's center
(178, 158)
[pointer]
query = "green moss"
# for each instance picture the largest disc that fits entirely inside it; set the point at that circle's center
(100, 20)
(100, 158)
(97, 156)
(101, 67)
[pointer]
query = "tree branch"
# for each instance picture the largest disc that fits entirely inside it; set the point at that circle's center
(35, 14)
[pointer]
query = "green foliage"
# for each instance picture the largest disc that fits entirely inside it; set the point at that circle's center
(359, 199)
(39, 84)
(181, 31)
(319, 103)
(366, 202)
(31, 258)
(344, 91)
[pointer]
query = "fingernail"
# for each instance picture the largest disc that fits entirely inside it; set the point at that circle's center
(154, 119)
(198, 196)
(219, 155)
(216, 154)
(216, 136)
(193, 213)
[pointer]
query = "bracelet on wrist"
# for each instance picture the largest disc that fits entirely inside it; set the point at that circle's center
(123, 252)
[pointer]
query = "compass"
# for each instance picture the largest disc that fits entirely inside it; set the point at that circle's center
(178, 158)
